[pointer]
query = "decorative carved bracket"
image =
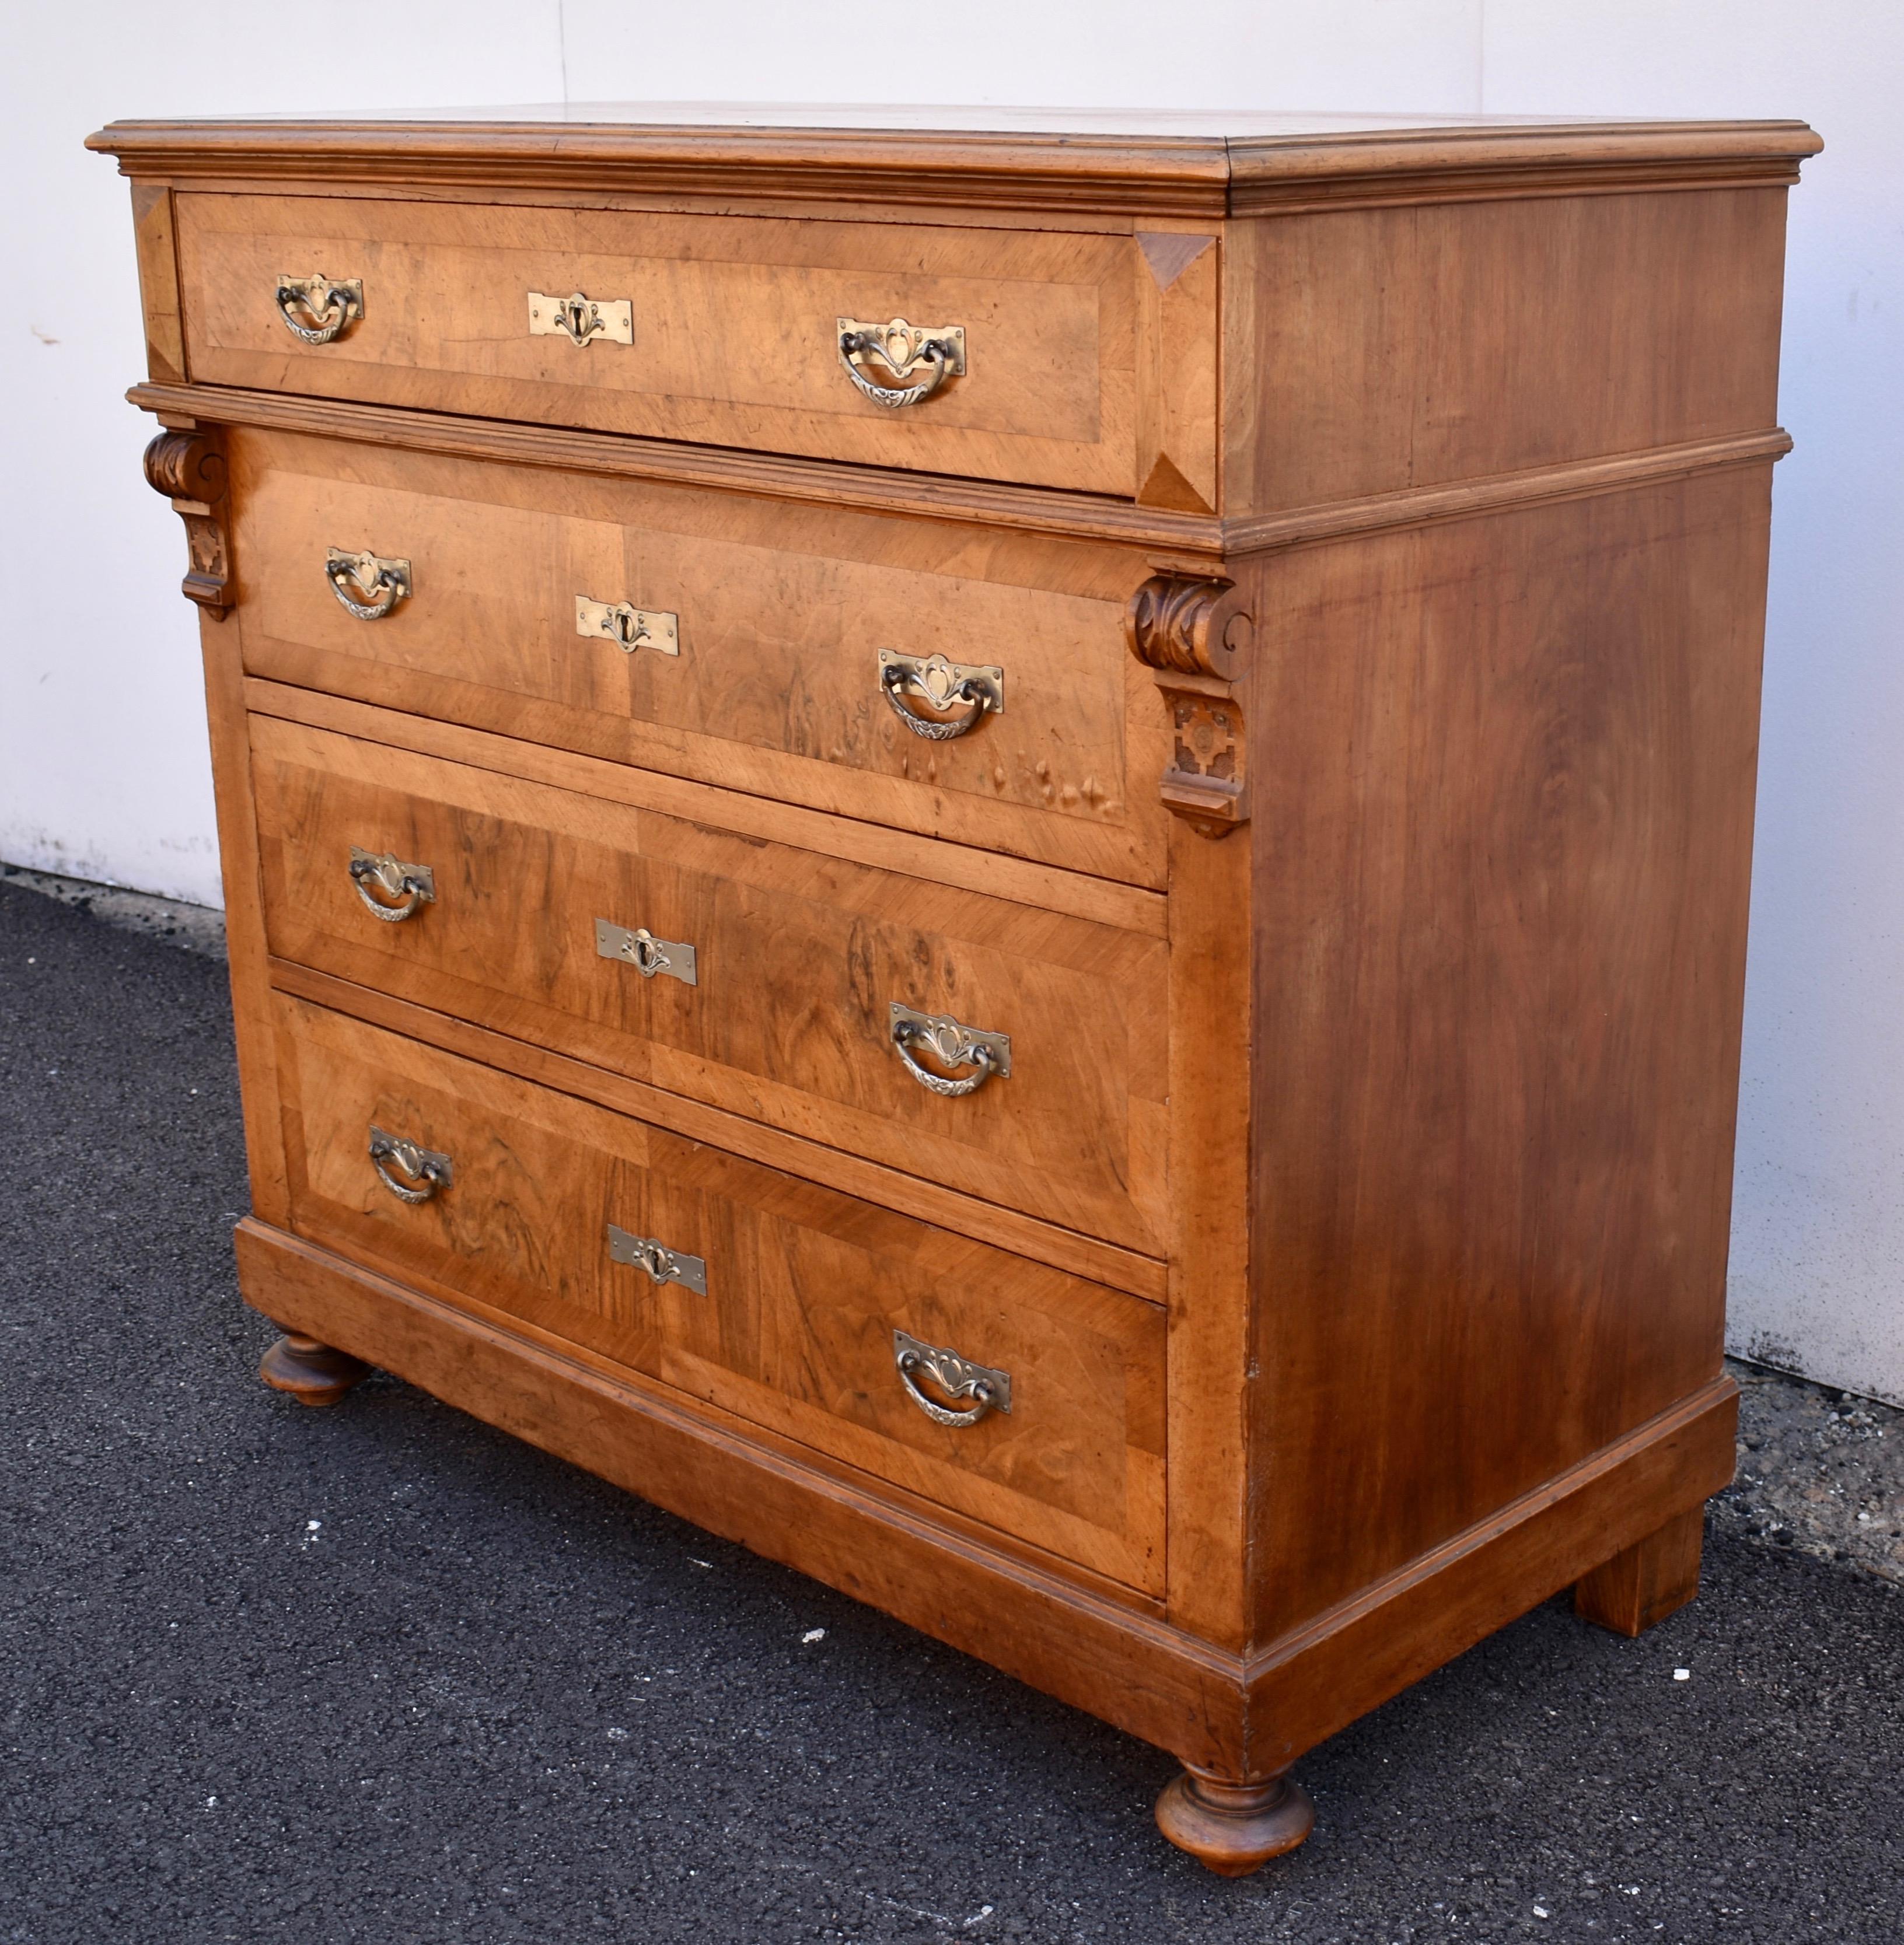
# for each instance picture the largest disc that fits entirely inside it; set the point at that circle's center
(1194, 637)
(189, 470)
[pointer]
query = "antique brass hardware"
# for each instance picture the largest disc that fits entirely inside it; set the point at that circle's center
(427, 1170)
(629, 628)
(951, 1044)
(382, 583)
(581, 319)
(942, 683)
(647, 954)
(333, 303)
(901, 348)
(988, 1389)
(664, 1265)
(403, 887)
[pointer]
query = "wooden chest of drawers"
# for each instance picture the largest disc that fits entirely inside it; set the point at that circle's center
(1015, 863)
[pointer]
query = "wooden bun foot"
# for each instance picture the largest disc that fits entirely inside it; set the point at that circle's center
(1234, 1828)
(313, 1373)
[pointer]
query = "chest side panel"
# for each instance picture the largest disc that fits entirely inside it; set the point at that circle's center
(1504, 792)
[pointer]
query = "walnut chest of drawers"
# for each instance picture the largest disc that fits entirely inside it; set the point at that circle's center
(1015, 863)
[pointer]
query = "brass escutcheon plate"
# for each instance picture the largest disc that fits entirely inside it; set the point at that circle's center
(664, 1265)
(647, 954)
(581, 319)
(628, 627)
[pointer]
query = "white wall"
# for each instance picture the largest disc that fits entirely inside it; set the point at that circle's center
(104, 772)
(103, 769)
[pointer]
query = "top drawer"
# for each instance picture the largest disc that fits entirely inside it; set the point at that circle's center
(733, 333)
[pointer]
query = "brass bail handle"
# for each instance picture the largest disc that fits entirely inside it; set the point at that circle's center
(953, 1045)
(424, 1169)
(330, 304)
(382, 583)
(943, 684)
(899, 349)
(390, 890)
(955, 1376)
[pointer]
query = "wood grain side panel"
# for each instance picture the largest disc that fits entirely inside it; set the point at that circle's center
(798, 959)
(1404, 347)
(781, 613)
(804, 1286)
(736, 336)
(1504, 776)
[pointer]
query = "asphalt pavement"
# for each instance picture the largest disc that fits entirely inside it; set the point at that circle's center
(379, 1673)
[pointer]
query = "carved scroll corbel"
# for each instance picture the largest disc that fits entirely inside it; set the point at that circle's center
(189, 470)
(1194, 637)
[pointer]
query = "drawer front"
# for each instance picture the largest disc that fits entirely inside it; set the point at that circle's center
(778, 614)
(778, 1300)
(798, 958)
(733, 327)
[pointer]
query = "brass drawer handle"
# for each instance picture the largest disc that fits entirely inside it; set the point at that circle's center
(664, 1265)
(427, 1170)
(902, 349)
(382, 583)
(581, 319)
(390, 890)
(942, 683)
(333, 303)
(951, 1044)
(988, 1390)
(629, 627)
(647, 954)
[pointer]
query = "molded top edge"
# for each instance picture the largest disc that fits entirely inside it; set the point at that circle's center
(1204, 163)
(1205, 126)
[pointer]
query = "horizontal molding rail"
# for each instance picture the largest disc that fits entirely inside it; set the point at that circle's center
(1200, 540)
